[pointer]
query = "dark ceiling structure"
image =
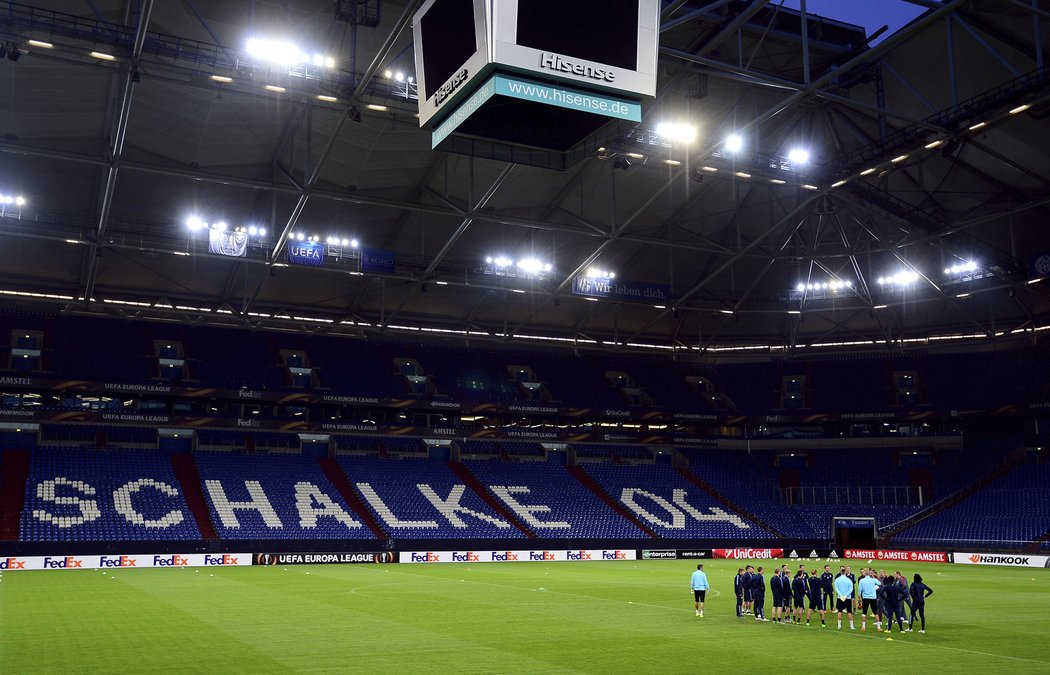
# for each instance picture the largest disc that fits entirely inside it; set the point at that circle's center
(913, 223)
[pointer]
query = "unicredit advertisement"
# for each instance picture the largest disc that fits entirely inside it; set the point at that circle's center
(1001, 559)
(900, 556)
(748, 553)
(516, 556)
(108, 562)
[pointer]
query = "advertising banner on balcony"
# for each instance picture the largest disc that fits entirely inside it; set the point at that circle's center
(306, 253)
(616, 289)
(234, 244)
(377, 260)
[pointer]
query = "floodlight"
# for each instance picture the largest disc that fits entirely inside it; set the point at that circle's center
(346, 242)
(400, 77)
(194, 223)
(798, 155)
(275, 51)
(300, 236)
(253, 230)
(733, 143)
(387, 74)
(503, 261)
(20, 201)
(262, 231)
(488, 260)
(353, 243)
(680, 133)
(221, 225)
(530, 265)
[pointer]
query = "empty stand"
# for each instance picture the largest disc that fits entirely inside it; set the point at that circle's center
(550, 501)
(420, 498)
(275, 497)
(103, 495)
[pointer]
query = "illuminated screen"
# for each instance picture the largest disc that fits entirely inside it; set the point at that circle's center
(447, 32)
(603, 32)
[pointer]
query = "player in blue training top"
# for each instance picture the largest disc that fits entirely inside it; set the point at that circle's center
(698, 582)
(844, 597)
(868, 587)
(919, 592)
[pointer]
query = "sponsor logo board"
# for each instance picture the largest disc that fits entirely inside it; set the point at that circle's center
(900, 556)
(346, 558)
(1000, 559)
(115, 561)
(748, 553)
(427, 557)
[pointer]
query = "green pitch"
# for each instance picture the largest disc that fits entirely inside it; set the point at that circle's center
(596, 617)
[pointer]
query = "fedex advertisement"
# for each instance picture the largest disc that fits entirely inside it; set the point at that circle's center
(487, 556)
(112, 562)
(898, 556)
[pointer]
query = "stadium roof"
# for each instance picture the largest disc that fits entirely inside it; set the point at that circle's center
(929, 170)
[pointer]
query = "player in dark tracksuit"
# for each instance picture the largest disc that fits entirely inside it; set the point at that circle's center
(827, 590)
(919, 592)
(816, 597)
(749, 575)
(738, 587)
(798, 592)
(880, 595)
(776, 589)
(903, 581)
(785, 595)
(758, 595)
(893, 593)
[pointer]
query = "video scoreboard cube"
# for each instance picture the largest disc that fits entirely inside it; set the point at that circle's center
(581, 56)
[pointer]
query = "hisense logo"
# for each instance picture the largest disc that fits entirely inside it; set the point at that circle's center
(975, 558)
(557, 63)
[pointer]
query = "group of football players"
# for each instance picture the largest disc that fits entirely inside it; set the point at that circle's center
(800, 595)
